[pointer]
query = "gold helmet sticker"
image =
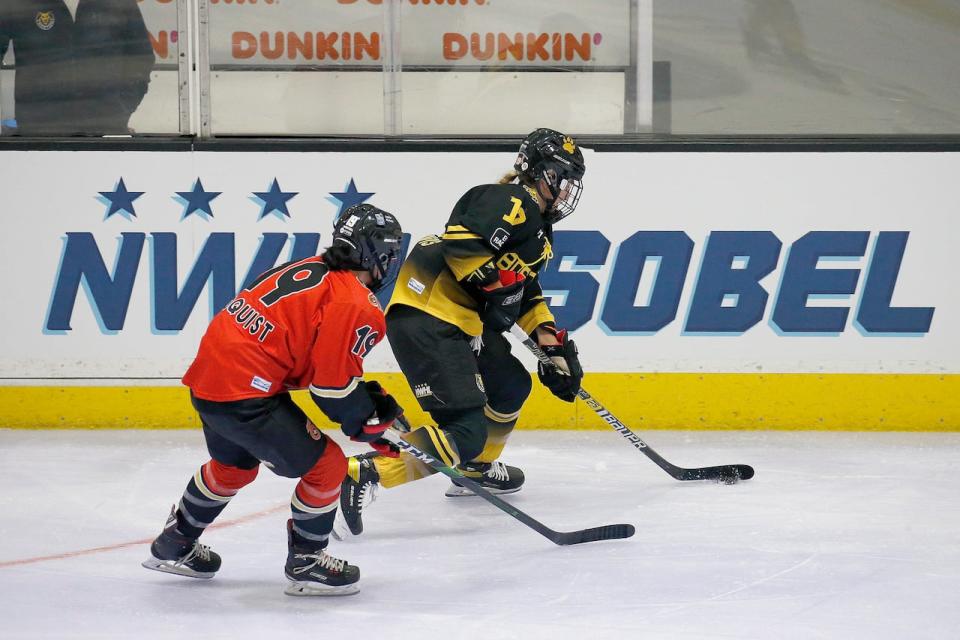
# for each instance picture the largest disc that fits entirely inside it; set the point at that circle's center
(569, 145)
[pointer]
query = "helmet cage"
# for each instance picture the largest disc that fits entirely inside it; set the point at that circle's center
(566, 197)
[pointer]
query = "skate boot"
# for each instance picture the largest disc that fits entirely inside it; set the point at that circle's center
(358, 490)
(495, 477)
(173, 552)
(312, 572)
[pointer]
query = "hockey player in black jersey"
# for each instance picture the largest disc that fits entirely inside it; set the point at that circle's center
(455, 296)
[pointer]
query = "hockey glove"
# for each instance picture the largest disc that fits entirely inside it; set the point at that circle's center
(385, 412)
(502, 305)
(564, 376)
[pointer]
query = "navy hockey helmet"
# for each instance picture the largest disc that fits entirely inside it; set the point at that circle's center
(373, 240)
(554, 157)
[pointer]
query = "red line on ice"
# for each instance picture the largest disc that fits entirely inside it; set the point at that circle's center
(122, 545)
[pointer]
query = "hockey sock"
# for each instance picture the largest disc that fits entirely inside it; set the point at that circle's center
(406, 468)
(208, 493)
(499, 428)
(314, 501)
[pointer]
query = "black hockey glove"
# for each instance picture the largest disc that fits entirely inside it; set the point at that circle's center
(385, 412)
(564, 376)
(502, 306)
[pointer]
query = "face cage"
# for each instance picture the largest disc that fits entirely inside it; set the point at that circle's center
(562, 207)
(385, 265)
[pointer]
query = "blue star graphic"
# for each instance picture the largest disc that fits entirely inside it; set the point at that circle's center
(120, 200)
(349, 197)
(274, 200)
(197, 200)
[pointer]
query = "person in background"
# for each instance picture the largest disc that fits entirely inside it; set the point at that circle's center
(455, 296)
(304, 324)
(82, 66)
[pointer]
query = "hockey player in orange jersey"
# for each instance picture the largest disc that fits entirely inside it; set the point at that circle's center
(304, 324)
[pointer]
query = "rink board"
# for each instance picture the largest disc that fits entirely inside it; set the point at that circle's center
(884, 402)
(705, 290)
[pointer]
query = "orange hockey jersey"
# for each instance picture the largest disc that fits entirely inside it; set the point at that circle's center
(297, 326)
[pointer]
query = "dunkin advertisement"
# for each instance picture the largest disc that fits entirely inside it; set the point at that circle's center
(458, 33)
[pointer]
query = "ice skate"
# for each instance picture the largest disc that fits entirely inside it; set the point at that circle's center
(358, 490)
(313, 572)
(173, 552)
(495, 477)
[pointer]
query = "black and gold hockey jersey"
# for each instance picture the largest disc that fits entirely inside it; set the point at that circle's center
(492, 227)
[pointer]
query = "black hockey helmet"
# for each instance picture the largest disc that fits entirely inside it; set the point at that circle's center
(372, 238)
(554, 157)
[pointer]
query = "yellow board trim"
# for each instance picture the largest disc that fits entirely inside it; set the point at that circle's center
(841, 402)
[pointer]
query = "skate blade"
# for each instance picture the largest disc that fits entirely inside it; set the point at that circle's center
(168, 566)
(456, 491)
(297, 588)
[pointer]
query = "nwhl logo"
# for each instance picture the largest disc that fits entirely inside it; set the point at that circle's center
(422, 390)
(45, 20)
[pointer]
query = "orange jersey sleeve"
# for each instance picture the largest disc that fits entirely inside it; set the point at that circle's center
(348, 332)
(350, 329)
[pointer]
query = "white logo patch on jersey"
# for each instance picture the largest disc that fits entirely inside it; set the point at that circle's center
(417, 286)
(499, 238)
(422, 390)
(261, 384)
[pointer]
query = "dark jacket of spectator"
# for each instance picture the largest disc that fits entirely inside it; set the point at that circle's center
(76, 76)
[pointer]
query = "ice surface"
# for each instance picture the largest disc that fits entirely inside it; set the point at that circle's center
(839, 535)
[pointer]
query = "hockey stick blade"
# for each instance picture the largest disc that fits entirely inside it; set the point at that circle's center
(563, 538)
(608, 532)
(727, 474)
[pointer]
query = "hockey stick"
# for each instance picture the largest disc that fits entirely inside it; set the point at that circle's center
(608, 532)
(728, 473)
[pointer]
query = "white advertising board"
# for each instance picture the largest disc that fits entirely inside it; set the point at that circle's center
(673, 262)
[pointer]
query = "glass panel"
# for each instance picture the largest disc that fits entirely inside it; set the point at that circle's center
(296, 68)
(507, 67)
(812, 67)
(78, 67)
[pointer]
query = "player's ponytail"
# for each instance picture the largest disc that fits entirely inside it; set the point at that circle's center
(509, 177)
(337, 258)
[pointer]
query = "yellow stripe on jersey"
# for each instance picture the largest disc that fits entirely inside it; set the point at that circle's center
(459, 232)
(465, 265)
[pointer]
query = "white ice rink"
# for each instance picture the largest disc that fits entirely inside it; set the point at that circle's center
(839, 535)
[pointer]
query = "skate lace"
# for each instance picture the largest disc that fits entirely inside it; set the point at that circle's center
(322, 560)
(198, 550)
(367, 493)
(497, 471)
